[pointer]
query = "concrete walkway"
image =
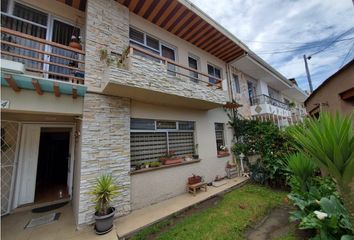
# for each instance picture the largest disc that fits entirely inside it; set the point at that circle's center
(138, 219)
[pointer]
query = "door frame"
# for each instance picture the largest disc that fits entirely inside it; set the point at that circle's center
(19, 171)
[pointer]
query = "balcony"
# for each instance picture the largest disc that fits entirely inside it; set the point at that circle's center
(265, 105)
(148, 77)
(34, 63)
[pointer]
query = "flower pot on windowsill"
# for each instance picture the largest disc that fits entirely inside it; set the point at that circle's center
(169, 161)
(223, 153)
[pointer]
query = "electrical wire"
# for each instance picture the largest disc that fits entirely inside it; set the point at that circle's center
(348, 53)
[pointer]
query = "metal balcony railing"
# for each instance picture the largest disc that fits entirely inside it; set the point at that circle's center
(264, 99)
(46, 58)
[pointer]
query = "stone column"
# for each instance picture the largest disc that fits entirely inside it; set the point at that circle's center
(105, 149)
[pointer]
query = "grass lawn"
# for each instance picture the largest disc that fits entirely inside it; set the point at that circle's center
(228, 219)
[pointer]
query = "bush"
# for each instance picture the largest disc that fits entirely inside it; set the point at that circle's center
(264, 138)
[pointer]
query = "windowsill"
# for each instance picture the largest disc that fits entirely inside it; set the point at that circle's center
(223, 155)
(164, 166)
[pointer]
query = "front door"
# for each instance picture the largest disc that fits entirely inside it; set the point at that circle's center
(28, 158)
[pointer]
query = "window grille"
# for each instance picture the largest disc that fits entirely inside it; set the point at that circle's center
(219, 135)
(151, 139)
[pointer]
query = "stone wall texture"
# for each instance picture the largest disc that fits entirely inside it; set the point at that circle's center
(105, 149)
(149, 74)
(107, 28)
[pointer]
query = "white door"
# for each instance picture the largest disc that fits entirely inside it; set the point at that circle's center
(28, 160)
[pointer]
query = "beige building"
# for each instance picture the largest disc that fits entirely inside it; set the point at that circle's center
(152, 77)
(335, 94)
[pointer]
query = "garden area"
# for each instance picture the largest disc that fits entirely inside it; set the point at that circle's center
(301, 186)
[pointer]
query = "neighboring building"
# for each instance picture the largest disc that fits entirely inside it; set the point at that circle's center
(153, 76)
(335, 94)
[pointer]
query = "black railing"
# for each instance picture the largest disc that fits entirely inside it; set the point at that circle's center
(261, 99)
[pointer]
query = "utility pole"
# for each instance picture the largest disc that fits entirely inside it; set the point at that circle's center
(308, 73)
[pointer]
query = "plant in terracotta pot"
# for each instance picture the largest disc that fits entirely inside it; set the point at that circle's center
(75, 42)
(104, 191)
(223, 151)
(170, 158)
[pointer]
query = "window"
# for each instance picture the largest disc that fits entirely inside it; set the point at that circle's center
(219, 133)
(251, 91)
(193, 63)
(236, 84)
(215, 72)
(169, 53)
(151, 139)
(273, 93)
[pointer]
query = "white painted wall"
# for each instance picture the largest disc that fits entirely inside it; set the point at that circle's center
(28, 101)
(151, 187)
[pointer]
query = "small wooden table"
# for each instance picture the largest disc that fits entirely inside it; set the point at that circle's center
(192, 188)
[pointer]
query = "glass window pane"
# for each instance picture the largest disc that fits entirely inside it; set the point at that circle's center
(236, 83)
(165, 125)
(181, 143)
(186, 125)
(142, 124)
(4, 4)
(219, 126)
(136, 35)
(153, 43)
(30, 14)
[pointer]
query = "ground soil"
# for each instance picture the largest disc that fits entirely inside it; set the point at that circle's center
(274, 225)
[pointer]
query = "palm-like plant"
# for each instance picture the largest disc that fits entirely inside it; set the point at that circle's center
(104, 191)
(329, 142)
(302, 169)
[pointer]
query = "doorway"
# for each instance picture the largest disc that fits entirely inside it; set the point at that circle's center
(53, 163)
(45, 164)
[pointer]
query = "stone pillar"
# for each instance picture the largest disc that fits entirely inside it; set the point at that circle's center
(107, 27)
(105, 149)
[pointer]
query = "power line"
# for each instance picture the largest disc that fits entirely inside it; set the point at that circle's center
(328, 45)
(276, 42)
(351, 48)
(299, 48)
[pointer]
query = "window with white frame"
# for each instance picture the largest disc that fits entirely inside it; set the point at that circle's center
(220, 136)
(24, 18)
(152, 139)
(193, 62)
(236, 84)
(215, 72)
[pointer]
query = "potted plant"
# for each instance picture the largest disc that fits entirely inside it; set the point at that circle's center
(194, 179)
(223, 151)
(195, 155)
(75, 42)
(104, 191)
(170, 158)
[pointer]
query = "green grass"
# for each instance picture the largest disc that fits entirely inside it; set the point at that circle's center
(225, 221)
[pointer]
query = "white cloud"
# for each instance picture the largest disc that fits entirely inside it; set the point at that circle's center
(294, 24)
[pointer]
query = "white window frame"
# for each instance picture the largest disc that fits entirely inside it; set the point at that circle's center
(215, 67)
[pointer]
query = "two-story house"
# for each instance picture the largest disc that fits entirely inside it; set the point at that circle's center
(152, 77)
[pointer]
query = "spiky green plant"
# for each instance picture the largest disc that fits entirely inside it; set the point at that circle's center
(104, 191)
(329, 141)
(302, 169)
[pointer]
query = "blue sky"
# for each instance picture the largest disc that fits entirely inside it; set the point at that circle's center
(282, 31)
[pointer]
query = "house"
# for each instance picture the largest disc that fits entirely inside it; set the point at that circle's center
(335, 94)
(151, 77)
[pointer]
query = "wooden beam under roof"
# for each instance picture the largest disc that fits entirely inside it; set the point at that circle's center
(12, 83)
(37, 87)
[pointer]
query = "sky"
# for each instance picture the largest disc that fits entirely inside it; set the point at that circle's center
(282, 31)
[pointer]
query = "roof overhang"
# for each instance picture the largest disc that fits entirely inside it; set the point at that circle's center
(40, 85)
(188, 22)
(256, 68)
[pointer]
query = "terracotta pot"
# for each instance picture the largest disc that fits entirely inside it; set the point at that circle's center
(194, 180)
(172, 161)
(223, 153)
(76, 45)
